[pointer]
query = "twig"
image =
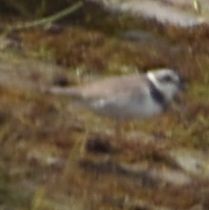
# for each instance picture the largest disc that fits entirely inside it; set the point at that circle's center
(46, 20)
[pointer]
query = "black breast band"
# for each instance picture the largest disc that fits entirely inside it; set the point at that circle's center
(157, 95)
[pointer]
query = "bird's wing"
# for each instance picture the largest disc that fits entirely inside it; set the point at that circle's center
(118, 89)
(106, 90)
(114, 86)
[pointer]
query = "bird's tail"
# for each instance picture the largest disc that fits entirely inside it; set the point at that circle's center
(60, 91)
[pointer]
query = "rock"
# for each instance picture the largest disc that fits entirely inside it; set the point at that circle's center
(177, 13)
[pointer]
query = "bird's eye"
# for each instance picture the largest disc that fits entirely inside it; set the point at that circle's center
(167, 78)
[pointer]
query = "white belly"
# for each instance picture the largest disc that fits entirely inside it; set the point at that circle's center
(127, 110)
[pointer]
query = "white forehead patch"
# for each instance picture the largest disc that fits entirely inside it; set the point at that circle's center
(152, 78)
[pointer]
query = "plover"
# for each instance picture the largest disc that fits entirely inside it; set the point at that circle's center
(135, 96)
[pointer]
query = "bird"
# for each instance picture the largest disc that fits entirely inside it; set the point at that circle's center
(133, 96)
(123, 98)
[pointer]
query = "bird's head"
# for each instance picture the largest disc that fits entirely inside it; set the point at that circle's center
(167, 81)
